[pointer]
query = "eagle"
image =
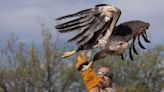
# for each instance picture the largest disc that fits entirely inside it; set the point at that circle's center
(97, 28)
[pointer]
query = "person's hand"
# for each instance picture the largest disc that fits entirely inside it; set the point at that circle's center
(82, 63)
(87, 72)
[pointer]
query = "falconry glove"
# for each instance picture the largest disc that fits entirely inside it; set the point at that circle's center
(89, 75)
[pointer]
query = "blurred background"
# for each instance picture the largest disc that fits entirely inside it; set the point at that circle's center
(30, 47)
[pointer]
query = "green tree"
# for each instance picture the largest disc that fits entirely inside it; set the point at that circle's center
(26, 68)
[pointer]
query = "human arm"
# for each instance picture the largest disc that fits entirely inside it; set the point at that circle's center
(89, 76)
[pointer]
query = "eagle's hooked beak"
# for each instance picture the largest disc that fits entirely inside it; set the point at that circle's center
(125, 45)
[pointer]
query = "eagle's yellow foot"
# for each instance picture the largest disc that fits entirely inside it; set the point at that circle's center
(67, 54)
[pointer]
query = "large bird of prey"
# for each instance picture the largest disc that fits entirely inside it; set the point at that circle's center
(96, 28)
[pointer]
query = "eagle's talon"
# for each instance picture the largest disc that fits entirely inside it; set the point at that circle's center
(67, 54)
(86, 67)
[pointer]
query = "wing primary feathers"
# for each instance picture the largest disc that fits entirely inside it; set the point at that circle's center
(145, 34)
(78, 35)
(78, 42)
(145, 38)
(80, 13)
(134, 49)
(75, 21)
(84, 41)
(130, 52)
(81, 34)
(97, 25)
(78, 23)
(140, 44)
(71, 29)
(122, 57)
(78, 26)
(94, 28)
(86, 11)
(97, 35)
(67, 16)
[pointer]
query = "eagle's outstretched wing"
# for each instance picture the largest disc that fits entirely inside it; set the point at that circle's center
(92, 22)
(132, 30)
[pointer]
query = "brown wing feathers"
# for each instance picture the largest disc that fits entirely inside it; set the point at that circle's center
(97, 25)
(71, 26)
(80, 13)
(89, 21)
(132, 30)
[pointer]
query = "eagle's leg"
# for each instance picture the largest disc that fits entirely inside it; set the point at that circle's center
(69, 53)
(100, 55)
(90, 63)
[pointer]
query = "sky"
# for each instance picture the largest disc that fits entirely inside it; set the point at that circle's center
(23, 18)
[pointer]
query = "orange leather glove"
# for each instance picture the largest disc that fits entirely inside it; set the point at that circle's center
(89, 76)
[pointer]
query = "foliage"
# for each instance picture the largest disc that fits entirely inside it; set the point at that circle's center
(145, 74)
(34, 69)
